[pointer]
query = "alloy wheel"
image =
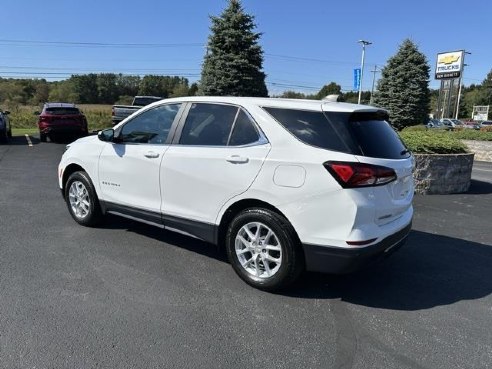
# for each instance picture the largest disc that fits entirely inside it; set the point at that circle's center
(258, 250)
(79, 199)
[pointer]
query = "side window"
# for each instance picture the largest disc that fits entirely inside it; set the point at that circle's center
(152, 126)
(244, 132)
(208, 124)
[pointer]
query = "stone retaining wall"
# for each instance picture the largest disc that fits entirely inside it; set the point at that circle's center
(482, 149)
(442, 174)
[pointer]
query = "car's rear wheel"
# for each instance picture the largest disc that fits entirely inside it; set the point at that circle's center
(264, 249)
(81, 199)
(42, 137)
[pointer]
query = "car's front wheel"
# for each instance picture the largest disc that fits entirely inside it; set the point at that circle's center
(81, 199)
(264, 249)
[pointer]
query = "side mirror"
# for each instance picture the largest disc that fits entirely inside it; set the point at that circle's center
(36, 113)
(106, 135)
(6, 112)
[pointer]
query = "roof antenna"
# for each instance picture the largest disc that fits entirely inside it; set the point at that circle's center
(331, 98)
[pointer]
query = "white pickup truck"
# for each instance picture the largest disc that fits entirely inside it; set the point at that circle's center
(120, 112)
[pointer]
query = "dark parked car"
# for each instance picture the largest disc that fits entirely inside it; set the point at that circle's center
(61, 120)
(434, 123)
(5, 127)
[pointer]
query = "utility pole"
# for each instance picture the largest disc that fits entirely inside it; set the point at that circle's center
(376, 70)
(364, 43)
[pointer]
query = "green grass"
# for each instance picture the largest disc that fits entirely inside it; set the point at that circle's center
(24, 131)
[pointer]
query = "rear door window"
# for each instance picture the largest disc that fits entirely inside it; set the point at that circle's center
(244, 131)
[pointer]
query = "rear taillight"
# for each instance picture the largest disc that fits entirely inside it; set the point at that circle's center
(350, 175)
(44, 119)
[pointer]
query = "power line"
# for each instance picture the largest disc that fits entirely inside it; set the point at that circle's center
(96, 44)
(97, 70)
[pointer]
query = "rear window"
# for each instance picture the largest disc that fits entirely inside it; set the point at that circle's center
(367, 134)
(375, 137)
(62, 111)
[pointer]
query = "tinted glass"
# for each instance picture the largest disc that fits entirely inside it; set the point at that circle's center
(151, 126)
(208, 125)
(244, 131)
(62, 111)
(376, 138)
(313, 128)
(367, 134)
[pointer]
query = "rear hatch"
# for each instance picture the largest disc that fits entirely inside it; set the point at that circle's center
(380, 167)
(64, 116)
(372, 140)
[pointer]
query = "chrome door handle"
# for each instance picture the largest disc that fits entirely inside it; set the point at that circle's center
(236, 159)
(151, 155)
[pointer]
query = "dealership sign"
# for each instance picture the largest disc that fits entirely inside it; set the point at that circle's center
(449, 65)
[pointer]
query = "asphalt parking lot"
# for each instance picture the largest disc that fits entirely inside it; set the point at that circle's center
(127, 295)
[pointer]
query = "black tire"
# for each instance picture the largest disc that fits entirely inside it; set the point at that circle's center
(42, 137)
(10, 132)
(89, 214)
(4, 137)
(291, 256)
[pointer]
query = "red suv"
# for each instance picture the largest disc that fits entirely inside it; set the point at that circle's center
(61, 120)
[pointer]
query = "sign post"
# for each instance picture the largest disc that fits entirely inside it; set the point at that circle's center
(449, 70)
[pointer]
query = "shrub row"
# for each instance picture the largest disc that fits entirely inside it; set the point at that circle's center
(432, 142)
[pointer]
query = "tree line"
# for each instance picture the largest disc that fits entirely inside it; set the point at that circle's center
(233, 66)
(92, 88)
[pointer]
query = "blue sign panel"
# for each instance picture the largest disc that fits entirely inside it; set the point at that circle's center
(356, 79)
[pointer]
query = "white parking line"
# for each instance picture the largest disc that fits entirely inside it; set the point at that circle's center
(29, 142)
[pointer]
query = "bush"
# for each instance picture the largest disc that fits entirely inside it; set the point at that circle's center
(471, 134)
(420, 127)
(432, 142)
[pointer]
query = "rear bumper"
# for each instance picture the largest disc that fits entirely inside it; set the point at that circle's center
(63, 130)
(337, 260)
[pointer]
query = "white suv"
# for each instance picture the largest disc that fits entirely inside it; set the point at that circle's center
(284, 185)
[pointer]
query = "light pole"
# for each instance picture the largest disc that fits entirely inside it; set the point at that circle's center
(364, 43)
(461, 84)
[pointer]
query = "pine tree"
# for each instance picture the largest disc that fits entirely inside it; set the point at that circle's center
(404, 87)
(233, 63)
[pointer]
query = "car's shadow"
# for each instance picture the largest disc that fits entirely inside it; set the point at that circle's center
(430, 270)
